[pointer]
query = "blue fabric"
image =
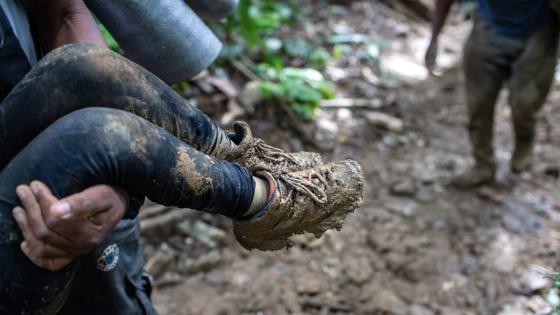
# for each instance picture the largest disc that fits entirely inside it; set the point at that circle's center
(13, 62)
(516, 18)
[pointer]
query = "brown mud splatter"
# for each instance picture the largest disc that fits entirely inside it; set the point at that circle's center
(186, 170)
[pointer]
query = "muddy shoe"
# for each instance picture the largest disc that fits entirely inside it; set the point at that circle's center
(313, 201)
(474, 177)
(522, 158)
(256, 155)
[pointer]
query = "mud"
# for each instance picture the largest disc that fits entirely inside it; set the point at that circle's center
(186, 169)
(256, 155)
(294, 212)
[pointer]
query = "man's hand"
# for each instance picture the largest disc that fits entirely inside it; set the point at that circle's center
(441, 12)
(431, 56)
(56, 231)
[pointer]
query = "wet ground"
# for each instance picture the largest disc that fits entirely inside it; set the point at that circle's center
(417, 246)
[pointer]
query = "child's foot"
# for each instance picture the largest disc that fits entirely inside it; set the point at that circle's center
(314, 200)
(256, 155)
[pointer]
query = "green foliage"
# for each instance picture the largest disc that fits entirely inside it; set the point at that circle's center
(302, 89)
(256, 31)
(180, 86)
(111, 42)
(254, 19)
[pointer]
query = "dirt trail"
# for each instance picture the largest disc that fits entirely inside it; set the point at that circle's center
(417, 246)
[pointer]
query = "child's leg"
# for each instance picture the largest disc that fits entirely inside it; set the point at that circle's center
(80, 75)
(94, 146)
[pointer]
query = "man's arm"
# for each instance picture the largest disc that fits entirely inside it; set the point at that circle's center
(61, 22)
(440, 15)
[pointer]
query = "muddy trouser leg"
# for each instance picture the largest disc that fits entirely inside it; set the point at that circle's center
(486, 66)
(81, 75)
(105, 146)
(532, 76)
(78, 76)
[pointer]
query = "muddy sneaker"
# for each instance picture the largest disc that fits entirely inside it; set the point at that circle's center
(256, 155)
(313, 201)
(474, 177)
(522, 158)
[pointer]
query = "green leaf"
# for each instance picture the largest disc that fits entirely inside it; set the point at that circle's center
(303, 111)
(297, 47)
(320, 57)
(247, 24)
(111, 42)
(269, 89)
(299, 92)
(338, 51)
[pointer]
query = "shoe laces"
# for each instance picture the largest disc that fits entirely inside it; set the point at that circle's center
(306, 187)
(273, 158)
(271, 153)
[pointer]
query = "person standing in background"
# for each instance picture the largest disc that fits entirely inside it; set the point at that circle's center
(513, 42)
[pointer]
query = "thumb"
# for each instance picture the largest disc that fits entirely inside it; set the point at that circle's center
(78, 205)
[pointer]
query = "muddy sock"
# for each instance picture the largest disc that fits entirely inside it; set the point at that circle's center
(260, 198)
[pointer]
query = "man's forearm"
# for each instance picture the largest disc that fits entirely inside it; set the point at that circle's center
(61, 22)
(440, 15)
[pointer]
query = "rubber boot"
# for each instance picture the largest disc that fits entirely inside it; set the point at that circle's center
(522, 157)
(480, 174)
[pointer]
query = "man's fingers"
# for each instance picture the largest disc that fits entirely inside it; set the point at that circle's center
(60, 229)
(42, 250)
(52, 264)
(34, 229)
(26, 197)
(44, 196)
(37, 229)
(431, 57)
(46, 199)
(33, 211)
(21, 219)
